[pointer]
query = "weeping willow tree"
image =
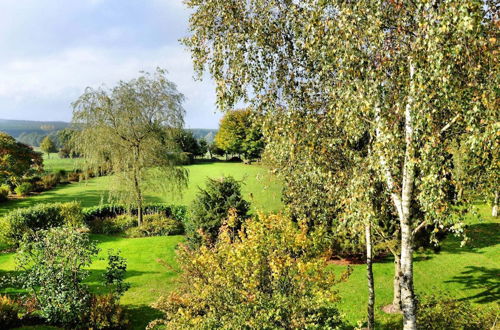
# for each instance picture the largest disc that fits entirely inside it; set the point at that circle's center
(127, 132)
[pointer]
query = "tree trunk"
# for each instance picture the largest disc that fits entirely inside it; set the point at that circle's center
(396, 300)
(369, 274)
(494, 209)
(407, 294)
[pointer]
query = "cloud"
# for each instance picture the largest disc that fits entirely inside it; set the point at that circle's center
(52, 52)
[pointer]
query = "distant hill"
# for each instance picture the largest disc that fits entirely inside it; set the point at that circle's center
(32, 132)
(18, 127)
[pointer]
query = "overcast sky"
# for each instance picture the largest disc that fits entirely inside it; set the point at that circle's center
(50, 50)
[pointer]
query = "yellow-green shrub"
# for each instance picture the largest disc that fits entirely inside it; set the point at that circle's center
(268, 275)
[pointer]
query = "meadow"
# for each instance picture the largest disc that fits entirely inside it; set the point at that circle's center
(469, 273)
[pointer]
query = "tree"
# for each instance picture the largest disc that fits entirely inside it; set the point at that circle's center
(17, 160)
(65, 137)
(212, 207)
(188, 143)
(391, 72)
(203, 144)
(48, 146)
(128, 132)
(240, 134)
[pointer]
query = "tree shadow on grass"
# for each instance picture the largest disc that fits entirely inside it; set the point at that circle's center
(141, 315)
(485, 279)
(481, 235)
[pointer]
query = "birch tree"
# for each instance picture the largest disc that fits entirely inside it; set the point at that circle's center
(128, 132)
(407, 74)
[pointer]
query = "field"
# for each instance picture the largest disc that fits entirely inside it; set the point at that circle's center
(469, 273)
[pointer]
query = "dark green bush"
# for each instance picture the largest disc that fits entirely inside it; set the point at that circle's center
(41, 216)
(23, 189)
(61, 256)
(4, 192)
(211, 207)
(436, 312)
(156, 225)
(112, 225)
(9, 310)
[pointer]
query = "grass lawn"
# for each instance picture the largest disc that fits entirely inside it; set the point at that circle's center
(260, 188)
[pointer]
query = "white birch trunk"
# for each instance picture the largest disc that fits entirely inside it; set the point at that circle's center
(407, 294)
(494, 209)
(396, 299)
(369, 274)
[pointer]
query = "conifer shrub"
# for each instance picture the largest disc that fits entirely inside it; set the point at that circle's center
(212, 206)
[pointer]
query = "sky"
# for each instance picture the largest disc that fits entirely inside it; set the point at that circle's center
(51, 50)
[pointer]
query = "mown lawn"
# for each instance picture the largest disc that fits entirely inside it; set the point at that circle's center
(260, 188)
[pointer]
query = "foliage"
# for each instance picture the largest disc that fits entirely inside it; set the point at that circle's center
(52, 266)
(96, 213)
(128, 132)
(188, 144)
(48, 146)
(26, 221)
(114, 274)
(4, 192)
(17, 160)
(212, 206)
(65, 137)
(266, 276)
(156, 225)
(106, 313)
(240, 134)
(444, 312)
(9, 310)
(23, 189)
(111, 225)
(49, 181)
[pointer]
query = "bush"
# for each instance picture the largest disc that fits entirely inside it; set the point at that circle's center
(74, 176)
(269, 275)
(49, 181)
(210, 208)
(4, 192)
(156, 225)
(112, 225)
(436, 312)
(9, 313)
(106, 313)
(24, 189)
(61, 256)
(41, 216)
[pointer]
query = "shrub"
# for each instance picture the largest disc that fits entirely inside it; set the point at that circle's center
(74, 176)
(4, 192)
(24, 189)
(114, 276)
(210, 208)
(60, 256)
(156, 225)
(112, 225)
(436, 312)
(42, 216)
(266, 276)
(9, 313)
(49, 181)
(106, 313)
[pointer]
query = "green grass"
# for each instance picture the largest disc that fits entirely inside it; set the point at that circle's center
(53, 162)
(470, 273)
(261, 189)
